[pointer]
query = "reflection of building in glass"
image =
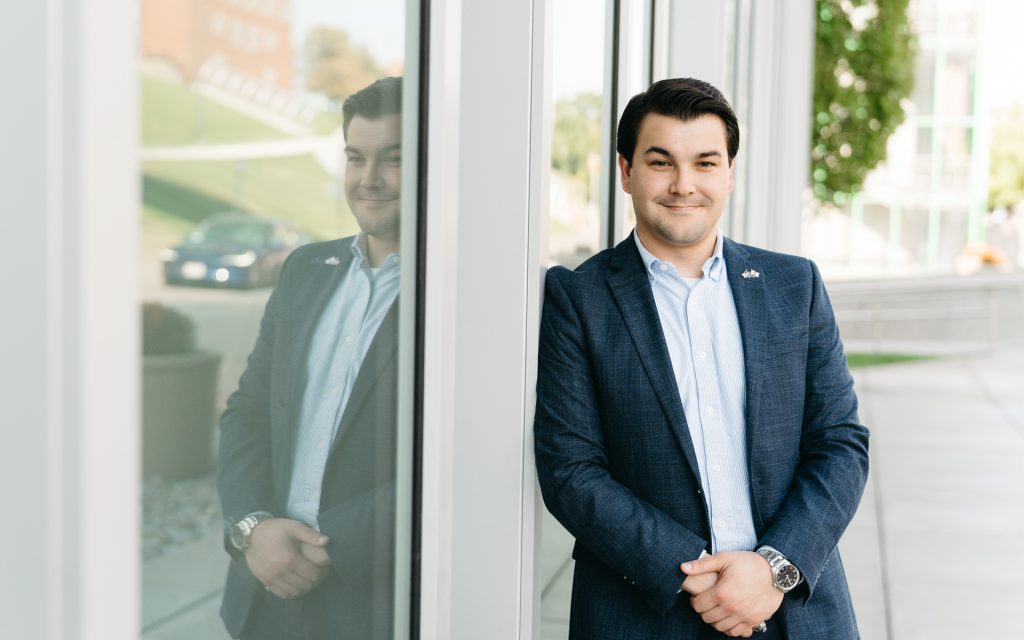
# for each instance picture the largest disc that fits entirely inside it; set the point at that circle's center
(253, 38)
(924, 207)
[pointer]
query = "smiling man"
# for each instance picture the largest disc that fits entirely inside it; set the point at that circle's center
(696, 425)
(307, 448)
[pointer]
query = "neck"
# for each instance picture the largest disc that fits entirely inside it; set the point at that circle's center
(688, 260)
(378, 248)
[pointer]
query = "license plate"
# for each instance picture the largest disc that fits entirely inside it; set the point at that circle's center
(193, 270)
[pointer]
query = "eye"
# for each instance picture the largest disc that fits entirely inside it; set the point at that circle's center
(393, 161)
(356, 160)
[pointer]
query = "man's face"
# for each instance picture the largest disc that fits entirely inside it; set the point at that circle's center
(680, 179)
(373, 173)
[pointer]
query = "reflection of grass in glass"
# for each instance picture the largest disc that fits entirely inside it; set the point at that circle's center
(173, 115)
(875, 359)
(295, 189)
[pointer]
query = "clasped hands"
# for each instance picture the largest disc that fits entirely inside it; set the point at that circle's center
(732, 591)
(288, 557)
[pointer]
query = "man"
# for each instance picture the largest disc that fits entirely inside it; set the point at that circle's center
(693, 398)
(307, 447)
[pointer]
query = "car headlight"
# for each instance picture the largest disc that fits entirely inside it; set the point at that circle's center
(168, 255)
(241, 259)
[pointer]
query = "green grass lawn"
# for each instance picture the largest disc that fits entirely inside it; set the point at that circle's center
(874, 359)
(173, 115)
(295, 189)
(177, 195)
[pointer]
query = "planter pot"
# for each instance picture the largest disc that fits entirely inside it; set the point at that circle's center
(179, 396)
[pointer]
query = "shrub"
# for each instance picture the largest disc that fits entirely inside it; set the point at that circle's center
(166, 330)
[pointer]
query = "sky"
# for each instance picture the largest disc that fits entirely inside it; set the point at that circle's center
(377, 25)
(1005, 52)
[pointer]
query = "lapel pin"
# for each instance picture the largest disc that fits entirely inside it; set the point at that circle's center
(750, 273)
(334, 261)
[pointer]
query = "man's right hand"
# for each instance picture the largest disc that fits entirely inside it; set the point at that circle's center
(288, 557)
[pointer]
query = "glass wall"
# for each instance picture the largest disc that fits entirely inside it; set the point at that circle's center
(275, 165)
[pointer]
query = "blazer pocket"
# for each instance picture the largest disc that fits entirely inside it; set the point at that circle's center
(782, 345)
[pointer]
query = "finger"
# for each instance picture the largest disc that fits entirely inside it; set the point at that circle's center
(302, 533)
(316, 555)
(703, 565)
(305, 569)
(282, 590)
(714, 615)
(727, 623)
(294, 584)
(697, 584)
(742, 630)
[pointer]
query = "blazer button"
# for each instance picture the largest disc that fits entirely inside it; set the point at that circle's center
(700, 492)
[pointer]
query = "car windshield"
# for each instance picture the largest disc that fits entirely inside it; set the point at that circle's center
(241, 233)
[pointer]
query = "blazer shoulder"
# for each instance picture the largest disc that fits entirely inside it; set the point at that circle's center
(771, 261)
(585, 280)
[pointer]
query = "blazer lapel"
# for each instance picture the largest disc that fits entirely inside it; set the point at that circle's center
(749, 296)
(315, 283)
(631, 287)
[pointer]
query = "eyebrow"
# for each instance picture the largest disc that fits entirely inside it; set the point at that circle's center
(664, 152)
(388, 149)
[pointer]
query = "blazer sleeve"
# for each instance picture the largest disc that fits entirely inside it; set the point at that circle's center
(244, 477)
(833, 465)
(630, 536)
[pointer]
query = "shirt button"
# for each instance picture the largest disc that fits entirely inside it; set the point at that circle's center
(663, 266)
(321, 444)
(717, 467)
(709, 411)
(703, 355)
(349, 339)
(334, 391)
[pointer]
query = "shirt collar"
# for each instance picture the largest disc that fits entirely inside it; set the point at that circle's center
(359, 254)
(712, 268)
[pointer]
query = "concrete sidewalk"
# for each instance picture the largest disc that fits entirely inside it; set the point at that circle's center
(933, 552)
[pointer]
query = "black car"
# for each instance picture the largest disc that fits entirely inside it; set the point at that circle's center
(232, 250)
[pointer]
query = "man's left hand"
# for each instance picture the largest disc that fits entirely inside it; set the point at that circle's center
(744, 595)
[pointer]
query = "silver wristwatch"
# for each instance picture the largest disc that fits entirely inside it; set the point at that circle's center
(242, 530)
(785, 576)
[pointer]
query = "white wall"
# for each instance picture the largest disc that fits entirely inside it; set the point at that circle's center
(69, 339)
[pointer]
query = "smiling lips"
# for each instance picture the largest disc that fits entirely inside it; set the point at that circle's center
(682, 206)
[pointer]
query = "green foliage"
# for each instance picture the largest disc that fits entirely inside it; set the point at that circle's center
(863, 70)
(576, 135)
(166, 331)
(336, 67)
(1006, 166)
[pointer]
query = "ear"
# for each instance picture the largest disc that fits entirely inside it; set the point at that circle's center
(732, 169)
(625, 169)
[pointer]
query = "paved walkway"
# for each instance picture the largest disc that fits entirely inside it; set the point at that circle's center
(935, 550)
(933, 553)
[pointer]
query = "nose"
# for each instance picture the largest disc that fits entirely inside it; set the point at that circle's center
(682, 183)
(372, 179)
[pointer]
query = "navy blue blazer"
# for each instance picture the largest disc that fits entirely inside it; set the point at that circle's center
(617, 467)
(257, 441)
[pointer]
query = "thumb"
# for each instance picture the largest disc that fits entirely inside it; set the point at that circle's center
(703, 565)
(302, 533)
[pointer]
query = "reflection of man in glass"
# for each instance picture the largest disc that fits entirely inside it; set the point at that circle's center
(306, 471)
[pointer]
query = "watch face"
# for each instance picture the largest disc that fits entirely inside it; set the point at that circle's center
(787, 577)
(238, 536)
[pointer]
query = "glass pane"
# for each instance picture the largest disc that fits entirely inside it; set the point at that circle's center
(578, 89)
(271, 224)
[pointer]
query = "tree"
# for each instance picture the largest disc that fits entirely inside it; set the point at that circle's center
(336, 67)
(576, 135)
(863, 71)
(1006, 161)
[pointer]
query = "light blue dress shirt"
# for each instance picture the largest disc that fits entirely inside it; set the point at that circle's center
(339, 344)
(698, 318)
